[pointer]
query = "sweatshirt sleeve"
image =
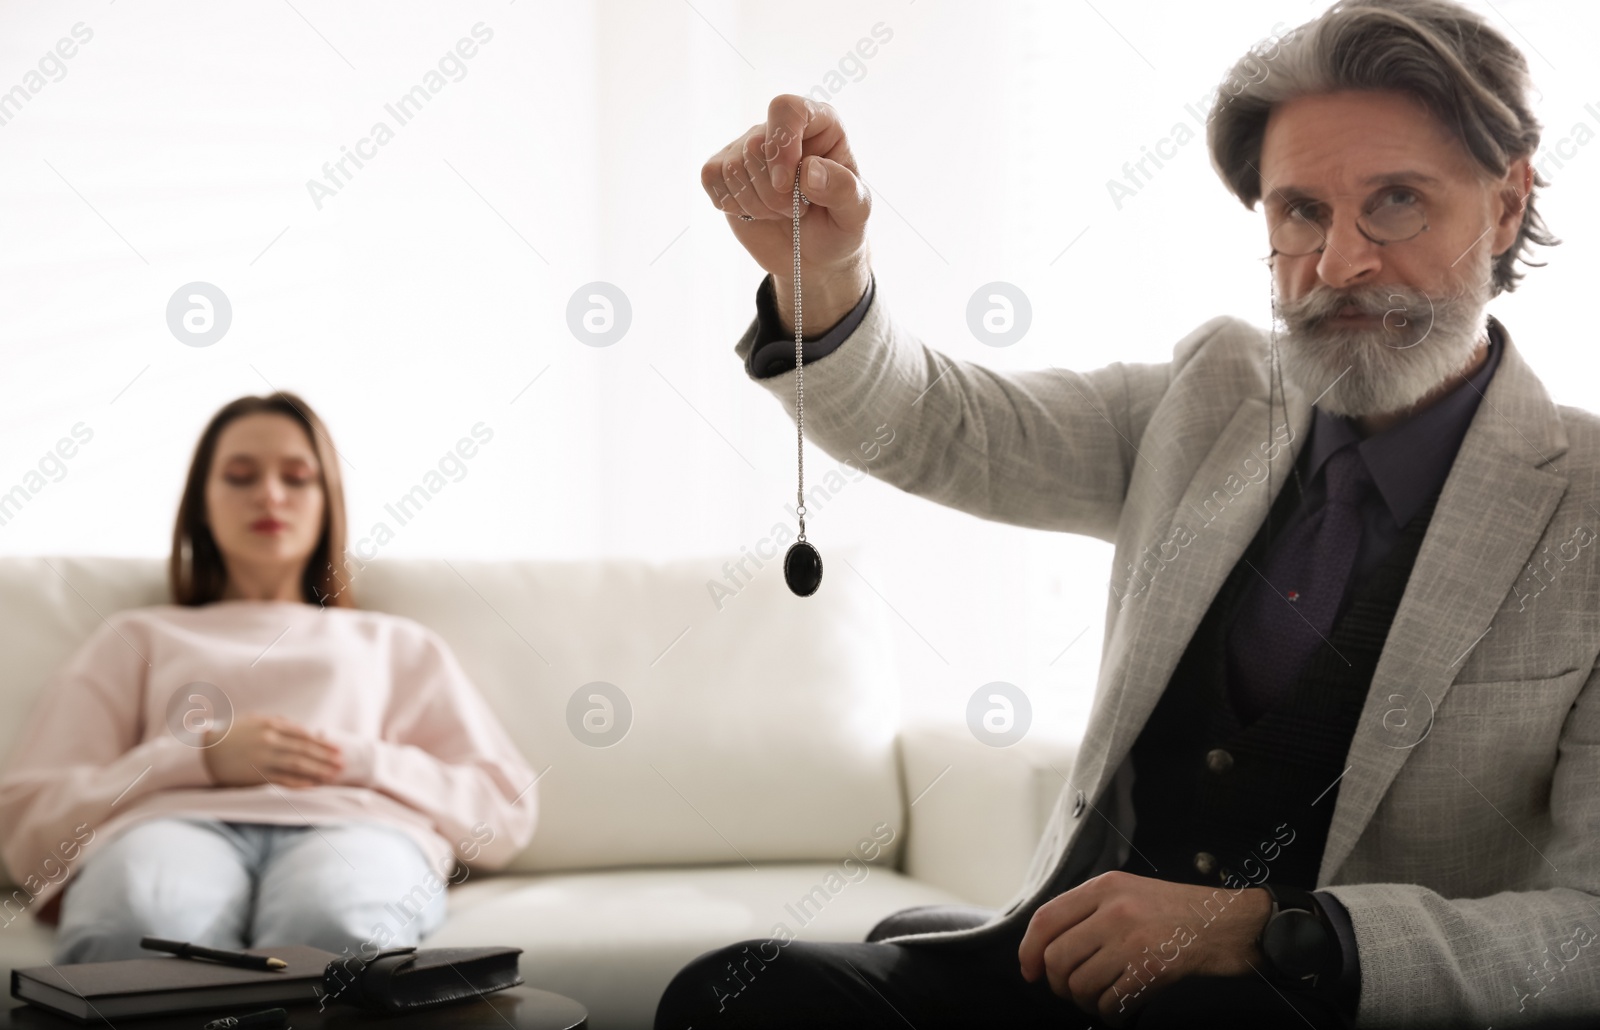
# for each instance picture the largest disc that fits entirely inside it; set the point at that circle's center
(79, 760)
(444, 753)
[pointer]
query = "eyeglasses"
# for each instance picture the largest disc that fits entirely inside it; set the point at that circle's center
(1395, 216)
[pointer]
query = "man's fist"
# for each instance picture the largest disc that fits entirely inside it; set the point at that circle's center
(1108, 941)
(751, 180)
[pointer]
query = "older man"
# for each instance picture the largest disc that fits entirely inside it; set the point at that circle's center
(1343, 766)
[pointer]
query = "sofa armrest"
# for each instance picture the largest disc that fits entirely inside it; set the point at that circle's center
(975, 813)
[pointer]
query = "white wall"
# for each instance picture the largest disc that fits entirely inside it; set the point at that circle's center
(431, 290)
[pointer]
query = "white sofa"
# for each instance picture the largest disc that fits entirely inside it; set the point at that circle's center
(765, 746)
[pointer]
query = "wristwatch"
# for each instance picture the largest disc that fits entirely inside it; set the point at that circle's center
(1299, 944)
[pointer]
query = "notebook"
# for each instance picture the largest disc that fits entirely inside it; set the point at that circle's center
(166, 984)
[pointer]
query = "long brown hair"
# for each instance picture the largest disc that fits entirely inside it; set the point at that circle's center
(195, 571)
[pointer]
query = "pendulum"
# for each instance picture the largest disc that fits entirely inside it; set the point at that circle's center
(802, 565)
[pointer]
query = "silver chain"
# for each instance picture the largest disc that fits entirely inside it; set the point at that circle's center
(799, 367)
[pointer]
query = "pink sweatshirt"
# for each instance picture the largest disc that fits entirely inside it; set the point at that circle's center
(422, 750)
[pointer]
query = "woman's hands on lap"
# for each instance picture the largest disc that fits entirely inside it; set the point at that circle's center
(260, 749)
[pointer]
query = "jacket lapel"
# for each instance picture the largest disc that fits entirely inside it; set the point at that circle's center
(1177, 599)
(1493, 508)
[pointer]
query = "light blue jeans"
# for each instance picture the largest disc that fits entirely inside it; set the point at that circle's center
(349, 888)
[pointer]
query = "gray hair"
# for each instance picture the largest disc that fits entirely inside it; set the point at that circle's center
(1465, 72)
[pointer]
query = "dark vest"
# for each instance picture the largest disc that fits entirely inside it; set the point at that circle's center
(1220, 804)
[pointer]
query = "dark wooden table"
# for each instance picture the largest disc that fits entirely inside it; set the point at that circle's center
(519, 1008)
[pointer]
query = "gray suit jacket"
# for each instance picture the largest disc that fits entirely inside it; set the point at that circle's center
(1465, 840)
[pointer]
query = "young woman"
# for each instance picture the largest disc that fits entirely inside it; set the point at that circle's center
(261, 762)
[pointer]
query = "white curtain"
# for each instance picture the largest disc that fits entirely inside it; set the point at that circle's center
(421, 287)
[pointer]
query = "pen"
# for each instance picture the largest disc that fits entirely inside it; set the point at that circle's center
(184, 949)
(266, 1019)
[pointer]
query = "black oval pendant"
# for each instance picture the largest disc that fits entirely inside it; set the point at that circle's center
(802, 568)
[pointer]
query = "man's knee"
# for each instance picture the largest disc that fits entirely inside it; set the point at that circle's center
(712, 985)
(1238, 1002)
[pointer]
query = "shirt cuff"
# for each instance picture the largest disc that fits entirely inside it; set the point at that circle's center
(1349, 986)
(359, 754)
(772, 351)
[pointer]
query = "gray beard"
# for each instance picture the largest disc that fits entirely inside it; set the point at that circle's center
(1423, 342)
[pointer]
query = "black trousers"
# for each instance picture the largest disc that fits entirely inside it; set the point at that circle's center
(764, 984)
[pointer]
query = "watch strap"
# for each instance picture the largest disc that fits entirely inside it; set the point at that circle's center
(1287, 899)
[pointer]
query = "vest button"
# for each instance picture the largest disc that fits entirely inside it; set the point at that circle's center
(1077, 806)
(1204, 861)
(1218, 760)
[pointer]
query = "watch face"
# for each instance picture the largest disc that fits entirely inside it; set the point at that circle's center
(1296, 943)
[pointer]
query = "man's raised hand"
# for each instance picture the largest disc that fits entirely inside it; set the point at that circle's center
(754, 176)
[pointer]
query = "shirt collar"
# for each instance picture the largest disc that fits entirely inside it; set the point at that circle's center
(1410, 460)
